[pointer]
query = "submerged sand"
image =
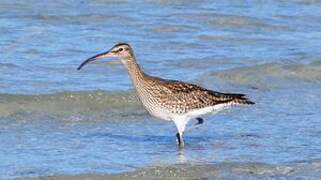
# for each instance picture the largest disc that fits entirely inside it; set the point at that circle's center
(302, 170)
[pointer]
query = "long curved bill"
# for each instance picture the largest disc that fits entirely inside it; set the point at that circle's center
(98, 56)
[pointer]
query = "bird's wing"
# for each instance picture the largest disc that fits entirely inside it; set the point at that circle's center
(180, 94)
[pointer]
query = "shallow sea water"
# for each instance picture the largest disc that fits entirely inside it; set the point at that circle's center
(58, 122)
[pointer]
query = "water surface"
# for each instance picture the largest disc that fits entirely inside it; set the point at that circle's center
(57, 121)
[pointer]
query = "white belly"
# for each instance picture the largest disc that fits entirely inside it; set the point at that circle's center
(207, 110)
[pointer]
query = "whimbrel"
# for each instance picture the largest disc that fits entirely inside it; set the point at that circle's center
(170, 100)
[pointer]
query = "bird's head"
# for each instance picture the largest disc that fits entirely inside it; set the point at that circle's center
(122, 51)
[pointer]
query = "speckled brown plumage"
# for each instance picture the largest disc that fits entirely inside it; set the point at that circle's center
(181, 97)
(174, 96)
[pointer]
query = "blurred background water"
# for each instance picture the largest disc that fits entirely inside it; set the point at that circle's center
(55, 120)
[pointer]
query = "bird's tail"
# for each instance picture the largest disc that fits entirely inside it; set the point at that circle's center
(240, 99)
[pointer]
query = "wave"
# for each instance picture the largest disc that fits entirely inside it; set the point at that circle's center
(71, 105)
(8, 65)
(228, 20)
(104, 104)
(272, 75)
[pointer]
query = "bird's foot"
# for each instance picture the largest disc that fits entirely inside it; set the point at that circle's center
(199, 121)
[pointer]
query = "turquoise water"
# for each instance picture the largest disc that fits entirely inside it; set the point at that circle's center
(55, 120)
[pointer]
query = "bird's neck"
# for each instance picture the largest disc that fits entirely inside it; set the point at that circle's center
(135, 72)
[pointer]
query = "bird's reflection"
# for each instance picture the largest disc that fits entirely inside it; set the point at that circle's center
(181, 158)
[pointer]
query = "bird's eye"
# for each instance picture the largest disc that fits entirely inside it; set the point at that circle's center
(120, 49)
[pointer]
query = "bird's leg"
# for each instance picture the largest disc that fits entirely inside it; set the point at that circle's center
(180, 125)
(179, 135)
(180, 140)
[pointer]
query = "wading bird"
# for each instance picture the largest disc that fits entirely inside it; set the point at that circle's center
(170, 100)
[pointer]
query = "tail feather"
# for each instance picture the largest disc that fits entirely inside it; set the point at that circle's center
(243, 101)
(240, 99)
(230, 98)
